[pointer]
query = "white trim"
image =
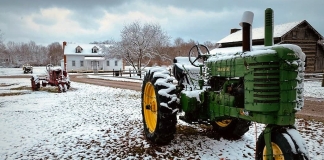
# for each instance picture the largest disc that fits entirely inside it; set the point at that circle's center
(95, 58)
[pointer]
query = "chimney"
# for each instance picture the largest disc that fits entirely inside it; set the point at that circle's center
(233, 30)
(246, 24)
(64, 44)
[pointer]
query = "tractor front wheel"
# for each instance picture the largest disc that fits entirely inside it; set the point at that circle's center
(159, 106)
(65, 87)
(286, 144)
(60, 88)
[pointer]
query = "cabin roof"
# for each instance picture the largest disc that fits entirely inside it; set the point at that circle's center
(258, 33)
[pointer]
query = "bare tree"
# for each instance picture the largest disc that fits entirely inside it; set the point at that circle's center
(3, 53)
(210, 45)
(55, 51)
(192, 42)
(140, 44)
(2, 46)
(178, 42)
(12, 51)
(42, 55)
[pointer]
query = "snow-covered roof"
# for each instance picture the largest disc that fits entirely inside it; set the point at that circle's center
(232, 52)
(258, 33)
(86, 49)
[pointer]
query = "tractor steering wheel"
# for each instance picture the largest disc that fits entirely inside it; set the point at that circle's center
(48, 66)
(196, 54)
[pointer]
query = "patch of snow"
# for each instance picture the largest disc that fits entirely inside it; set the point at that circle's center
(302, 147)
(291, 143)
(96, 122)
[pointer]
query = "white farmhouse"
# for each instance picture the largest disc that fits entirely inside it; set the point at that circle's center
(88, 58)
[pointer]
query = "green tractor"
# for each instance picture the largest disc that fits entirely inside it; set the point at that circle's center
(231, 90)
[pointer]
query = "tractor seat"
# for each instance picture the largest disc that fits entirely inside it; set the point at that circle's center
(181, 65)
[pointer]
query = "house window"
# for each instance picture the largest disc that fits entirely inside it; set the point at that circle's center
(73, 63)
(81, 63)
(116, 63)
(95, 49)
(107, 63)
(78, 49)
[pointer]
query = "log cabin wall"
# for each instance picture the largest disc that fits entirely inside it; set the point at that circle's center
(319, 67)
(306, 38)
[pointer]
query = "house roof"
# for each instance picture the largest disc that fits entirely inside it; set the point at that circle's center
(86, 49)
(258, 33)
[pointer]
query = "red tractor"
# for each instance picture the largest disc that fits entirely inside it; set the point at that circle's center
(55, 77)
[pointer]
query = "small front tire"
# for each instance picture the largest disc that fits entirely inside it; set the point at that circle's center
(284, 146)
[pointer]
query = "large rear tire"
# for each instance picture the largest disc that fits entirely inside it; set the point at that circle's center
(231, 127)
(159, 106)
(286, 144)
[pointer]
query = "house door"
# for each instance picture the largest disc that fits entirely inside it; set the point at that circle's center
(95, 66)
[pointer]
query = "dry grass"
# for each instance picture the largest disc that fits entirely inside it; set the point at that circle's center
(23, 89)
(6, 85)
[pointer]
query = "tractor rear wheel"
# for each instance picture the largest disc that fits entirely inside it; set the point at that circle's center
(159, 106)
(286, 144)
(231, 127)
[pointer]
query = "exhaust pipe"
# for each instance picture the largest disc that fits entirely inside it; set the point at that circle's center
(246, 24)
(268, 27)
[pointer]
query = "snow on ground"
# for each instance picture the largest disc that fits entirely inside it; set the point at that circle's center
(95, 122)
(20, 71)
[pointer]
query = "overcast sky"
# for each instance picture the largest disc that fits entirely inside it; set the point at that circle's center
(84, 21)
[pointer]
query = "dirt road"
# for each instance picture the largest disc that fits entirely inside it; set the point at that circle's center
(109, 83)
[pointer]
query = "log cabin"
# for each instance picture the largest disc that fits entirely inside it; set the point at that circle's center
(300, 33)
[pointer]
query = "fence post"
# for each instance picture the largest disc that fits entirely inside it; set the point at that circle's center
(113, 73)
(120, 72)
(170, 71)
(130, 74)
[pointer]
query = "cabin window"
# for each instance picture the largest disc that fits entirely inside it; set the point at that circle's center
(107, 63)
(116, 63)
(294, 34)
(81, 63)
(73, 63)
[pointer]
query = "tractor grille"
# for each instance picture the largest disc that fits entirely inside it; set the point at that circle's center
(266, 82)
